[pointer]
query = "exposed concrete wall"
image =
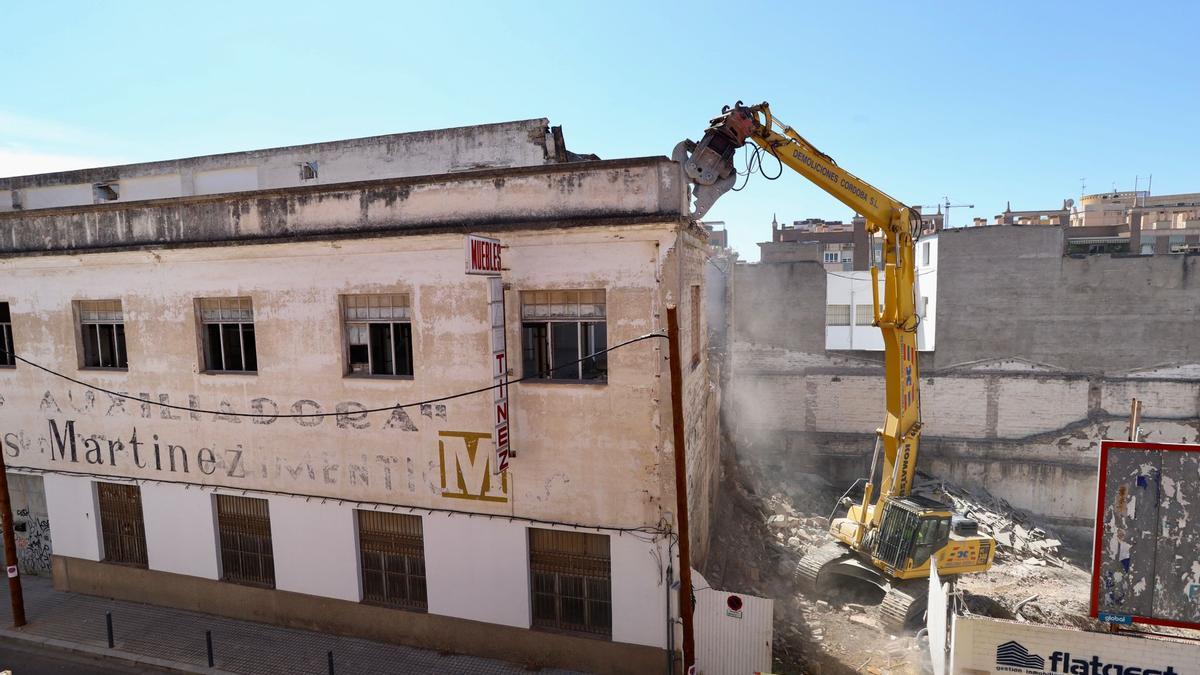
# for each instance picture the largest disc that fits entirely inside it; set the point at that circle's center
(780, 305)
(1029, 436)
(1037, 359)
(1008, 291)
(421, 153)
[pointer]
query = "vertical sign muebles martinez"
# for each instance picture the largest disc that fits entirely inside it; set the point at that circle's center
(484, 258)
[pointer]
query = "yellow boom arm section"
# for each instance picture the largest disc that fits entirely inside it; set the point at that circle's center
(895, 311)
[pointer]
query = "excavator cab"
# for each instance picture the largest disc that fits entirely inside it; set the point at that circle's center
(912, 530)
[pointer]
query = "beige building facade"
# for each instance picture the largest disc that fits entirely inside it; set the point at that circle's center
(265, 422)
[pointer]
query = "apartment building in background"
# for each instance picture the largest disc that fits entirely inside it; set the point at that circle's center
(269, 339)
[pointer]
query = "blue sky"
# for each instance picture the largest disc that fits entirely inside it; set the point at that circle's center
(984, 103)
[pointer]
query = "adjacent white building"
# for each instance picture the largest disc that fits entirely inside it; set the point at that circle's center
(849, 317)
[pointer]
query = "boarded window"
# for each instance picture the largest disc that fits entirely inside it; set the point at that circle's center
(864, 315)
(571, 581)
(102, 331)
(8, 352)
(121, 524)
(378, 332)
(562, 333)
(228, 334)
(837, 315)
(393, 558)
(244, 525)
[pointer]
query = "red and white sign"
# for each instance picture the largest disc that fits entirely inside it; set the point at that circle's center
(483, 255)
(499, 375)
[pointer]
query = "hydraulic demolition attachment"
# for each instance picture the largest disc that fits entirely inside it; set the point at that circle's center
(890, 537)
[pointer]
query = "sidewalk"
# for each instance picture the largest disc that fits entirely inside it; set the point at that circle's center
(174, 639)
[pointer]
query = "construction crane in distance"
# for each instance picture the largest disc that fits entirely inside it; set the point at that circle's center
(947, 205)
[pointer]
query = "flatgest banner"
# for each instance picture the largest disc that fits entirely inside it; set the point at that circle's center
(983, 645)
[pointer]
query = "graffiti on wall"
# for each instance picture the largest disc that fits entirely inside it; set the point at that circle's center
(33, 542)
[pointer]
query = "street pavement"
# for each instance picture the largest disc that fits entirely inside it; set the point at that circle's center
(149, 639)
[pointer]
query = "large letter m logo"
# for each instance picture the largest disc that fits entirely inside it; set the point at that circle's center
(466, 472)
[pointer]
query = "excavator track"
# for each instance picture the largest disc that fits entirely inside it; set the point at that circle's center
(904, 605)
(808, 574)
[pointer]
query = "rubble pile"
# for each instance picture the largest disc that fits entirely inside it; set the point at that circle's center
(1017, 537)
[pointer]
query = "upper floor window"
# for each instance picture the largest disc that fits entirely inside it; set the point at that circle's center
(925, 253)
(561, 333)
(7, 350)
(379, 334)
(102, 332)
(837, 315)
(864, 315)
(228, 334)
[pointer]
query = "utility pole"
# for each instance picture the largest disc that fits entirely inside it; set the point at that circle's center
(681, 500)
(10, 550)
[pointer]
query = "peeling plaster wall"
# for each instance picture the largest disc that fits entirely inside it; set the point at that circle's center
(596, 454)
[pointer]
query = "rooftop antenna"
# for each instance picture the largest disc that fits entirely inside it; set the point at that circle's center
(1082, 187)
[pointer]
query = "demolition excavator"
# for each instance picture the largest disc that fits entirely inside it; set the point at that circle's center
(891, 537)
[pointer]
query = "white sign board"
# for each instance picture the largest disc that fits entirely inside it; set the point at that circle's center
(484, 255)
(499, 375)
(984, 645)
(935, 620)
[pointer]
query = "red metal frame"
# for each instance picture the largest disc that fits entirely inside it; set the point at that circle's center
(1098, 529)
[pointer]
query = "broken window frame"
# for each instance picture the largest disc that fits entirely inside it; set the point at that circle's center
(546, 318)
(102, 335)
(570, 581)
(7, 349)
(365, 318)
(229, 322)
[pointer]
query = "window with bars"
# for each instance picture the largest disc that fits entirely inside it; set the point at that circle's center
(571, 581)
(378, 334)
(122, 526)
(864, 315)
(228, 334)
(7, 350)
(560, 331)
(393, 559)
(102, 332)
(244, 526)
(837, 315)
